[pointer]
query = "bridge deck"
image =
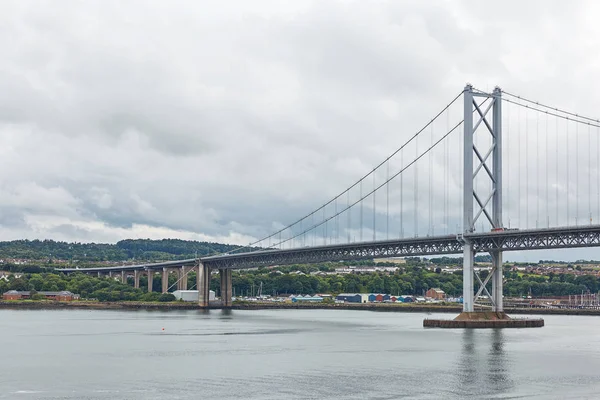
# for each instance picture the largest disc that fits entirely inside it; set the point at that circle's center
(509, 240)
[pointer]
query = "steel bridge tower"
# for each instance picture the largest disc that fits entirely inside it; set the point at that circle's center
(489, 163)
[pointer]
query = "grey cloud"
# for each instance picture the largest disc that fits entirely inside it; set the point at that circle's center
(230, 119)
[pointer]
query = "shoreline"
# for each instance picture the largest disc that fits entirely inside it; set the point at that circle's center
(132, 306)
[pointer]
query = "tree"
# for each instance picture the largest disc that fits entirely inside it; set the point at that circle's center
(36, 282)
(18, 284)
(166, 297)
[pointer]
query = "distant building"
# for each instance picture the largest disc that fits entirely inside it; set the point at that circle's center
(191, 295)
(394, 260)
(63, 296)
(58, 296)
(350, 297)
(435, 293)
(324, 295)
(309, 299)
(12, 295)
(364, 270)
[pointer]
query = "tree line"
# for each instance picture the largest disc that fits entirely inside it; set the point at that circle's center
(124, 250)
(297, 279)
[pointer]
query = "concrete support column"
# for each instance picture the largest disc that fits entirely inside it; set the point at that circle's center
(226, 287)
(99, 274)
(136, 279)
(468, 288)
(203, 285)
(183, 279)
(110, 274)
(123, 277)
(497, 281)
(165, 280)
(150, 279)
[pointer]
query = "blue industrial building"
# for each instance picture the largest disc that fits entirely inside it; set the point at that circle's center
(349, 297)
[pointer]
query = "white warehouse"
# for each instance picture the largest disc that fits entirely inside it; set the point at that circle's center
(191, 295)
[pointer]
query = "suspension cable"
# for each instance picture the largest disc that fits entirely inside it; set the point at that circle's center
(519, 164)
(592, 122)
(537, 170)
(537, 103)
(568, 183)
(577, 174)
(508, 164)
(589, 173)
(402, 196)
(366, 195)
(361, 179)
(526, 168)
(416, 191)
(547, 182)
(556, 178)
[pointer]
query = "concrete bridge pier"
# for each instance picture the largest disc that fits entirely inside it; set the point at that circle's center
(203, 285)
(497, 285)
(136, 279)
(123, 277)
(226, 287)
(183, 281)
(165, 280)
(150, 274)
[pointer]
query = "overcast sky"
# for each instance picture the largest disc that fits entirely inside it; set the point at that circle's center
(222, 120)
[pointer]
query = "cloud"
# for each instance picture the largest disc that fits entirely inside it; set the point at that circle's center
(224, 120)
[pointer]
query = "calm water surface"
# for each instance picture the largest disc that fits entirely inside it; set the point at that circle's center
(289, 354)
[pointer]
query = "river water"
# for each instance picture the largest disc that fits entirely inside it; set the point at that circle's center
(289, 354)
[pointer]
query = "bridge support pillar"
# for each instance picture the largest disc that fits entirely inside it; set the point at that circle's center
(183, 284)
(497, 300)
(123, 277)
(226, 287)
(136, 279)
(203, 285)
(468, 277)
(150, 274)
(99, 274)
(165, 280)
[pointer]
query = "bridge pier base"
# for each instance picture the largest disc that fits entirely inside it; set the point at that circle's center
(203, 285)
(226, 287)
(484, 319)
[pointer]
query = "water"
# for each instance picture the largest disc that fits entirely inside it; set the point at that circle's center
(289, 354)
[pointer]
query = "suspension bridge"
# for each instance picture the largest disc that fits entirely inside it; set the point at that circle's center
(490, 172)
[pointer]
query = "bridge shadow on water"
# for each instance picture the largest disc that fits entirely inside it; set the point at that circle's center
(483, 364)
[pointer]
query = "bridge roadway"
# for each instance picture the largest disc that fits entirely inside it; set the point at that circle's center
(507, 240)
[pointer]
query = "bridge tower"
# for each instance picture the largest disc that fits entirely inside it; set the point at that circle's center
(489, 164)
